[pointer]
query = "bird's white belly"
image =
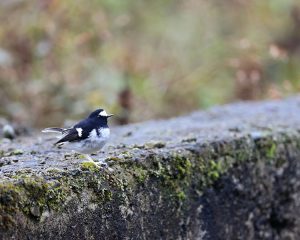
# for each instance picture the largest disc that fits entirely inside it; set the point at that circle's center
(92, 144)
(87, 146)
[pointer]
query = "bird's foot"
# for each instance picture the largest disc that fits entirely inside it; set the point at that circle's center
(89, 158)
(99, 163)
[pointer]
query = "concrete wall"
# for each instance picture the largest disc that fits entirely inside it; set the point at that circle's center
(228, 173)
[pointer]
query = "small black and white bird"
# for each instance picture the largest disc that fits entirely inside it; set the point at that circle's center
(87, 136)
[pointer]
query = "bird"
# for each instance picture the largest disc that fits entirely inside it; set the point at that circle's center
(87, 136)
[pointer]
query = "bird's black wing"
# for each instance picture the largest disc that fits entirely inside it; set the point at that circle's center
(80, 131)
(71, 136)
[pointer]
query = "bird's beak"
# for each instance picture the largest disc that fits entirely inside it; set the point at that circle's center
(109, 115)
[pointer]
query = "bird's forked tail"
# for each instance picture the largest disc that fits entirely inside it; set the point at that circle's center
(54, 130)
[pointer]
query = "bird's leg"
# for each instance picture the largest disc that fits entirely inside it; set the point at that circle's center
(89, 158)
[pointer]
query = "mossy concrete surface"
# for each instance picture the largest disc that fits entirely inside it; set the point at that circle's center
(231, 172)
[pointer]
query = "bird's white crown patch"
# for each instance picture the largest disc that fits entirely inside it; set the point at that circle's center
(103, 113)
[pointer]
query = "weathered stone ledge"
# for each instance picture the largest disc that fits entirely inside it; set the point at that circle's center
(228, 173)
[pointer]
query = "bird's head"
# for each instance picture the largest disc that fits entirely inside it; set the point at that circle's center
(100, 113)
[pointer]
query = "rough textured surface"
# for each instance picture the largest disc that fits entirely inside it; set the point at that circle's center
(229, 173)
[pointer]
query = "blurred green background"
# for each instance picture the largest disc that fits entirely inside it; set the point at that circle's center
(143, 59)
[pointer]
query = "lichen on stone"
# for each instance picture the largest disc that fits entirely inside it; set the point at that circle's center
(89, 166)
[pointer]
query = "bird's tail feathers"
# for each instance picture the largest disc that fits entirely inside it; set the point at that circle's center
(54, 130)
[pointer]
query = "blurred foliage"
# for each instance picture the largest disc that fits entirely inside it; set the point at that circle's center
(143, 59)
